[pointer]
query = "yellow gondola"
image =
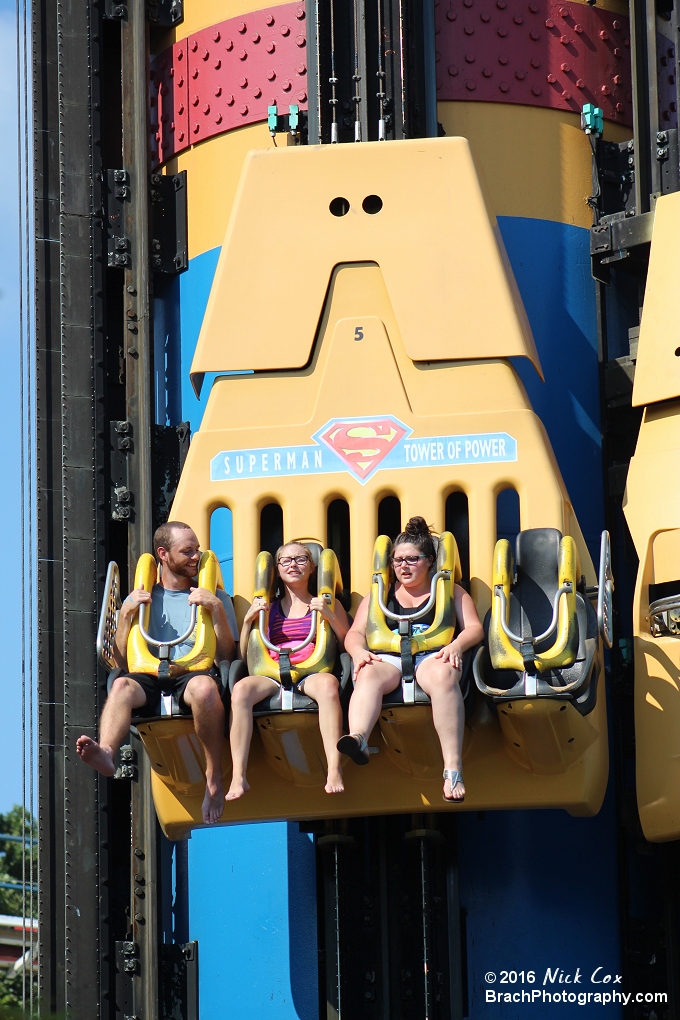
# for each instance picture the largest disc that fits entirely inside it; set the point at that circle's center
(652, 509)
(390, 379)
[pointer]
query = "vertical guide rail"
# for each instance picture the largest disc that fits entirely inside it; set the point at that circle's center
(69, 454)
(138, 353)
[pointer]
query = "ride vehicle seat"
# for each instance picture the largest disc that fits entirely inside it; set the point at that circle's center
(380, 636)
(541, 631)
(140, 658)
(323, 659)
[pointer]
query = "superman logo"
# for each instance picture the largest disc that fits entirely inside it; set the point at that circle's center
(362, 443)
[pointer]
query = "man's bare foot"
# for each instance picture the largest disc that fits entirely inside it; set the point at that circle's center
(455, 792)
(96, 756)
(213, 802)
(334, 782)
(237, 788)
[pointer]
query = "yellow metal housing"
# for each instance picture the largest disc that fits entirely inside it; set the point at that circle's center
(398, 343)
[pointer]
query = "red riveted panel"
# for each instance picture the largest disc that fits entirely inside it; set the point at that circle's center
(227, 75)
(539, 53)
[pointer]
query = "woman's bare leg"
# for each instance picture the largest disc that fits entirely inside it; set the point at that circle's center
(245, 696)
(370, 684)
(324, 689)
(441, 682)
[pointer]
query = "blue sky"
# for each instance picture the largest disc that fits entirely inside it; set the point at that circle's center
(10, 517)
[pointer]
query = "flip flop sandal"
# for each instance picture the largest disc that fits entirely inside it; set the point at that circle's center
(453, 777)
(355, 747)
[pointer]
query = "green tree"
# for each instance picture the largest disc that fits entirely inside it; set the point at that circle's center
(13, 867)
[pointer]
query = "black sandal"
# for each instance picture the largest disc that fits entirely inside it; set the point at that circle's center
(355, 747)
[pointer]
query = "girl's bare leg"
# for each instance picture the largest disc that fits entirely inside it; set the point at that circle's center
(245, 696)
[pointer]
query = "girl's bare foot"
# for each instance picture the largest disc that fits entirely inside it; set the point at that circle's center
(96, 756)
(237, 788)
(334, 782)
(213, 802)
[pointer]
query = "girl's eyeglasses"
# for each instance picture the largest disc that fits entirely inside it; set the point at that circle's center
(286, 561)
(398, 561)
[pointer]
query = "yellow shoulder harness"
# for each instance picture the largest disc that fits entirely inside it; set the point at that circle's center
(322, 659)
(503, 651)
(379, 637)
(202, 655)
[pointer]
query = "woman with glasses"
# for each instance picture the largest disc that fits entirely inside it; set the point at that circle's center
(438, 672)
(289, 623)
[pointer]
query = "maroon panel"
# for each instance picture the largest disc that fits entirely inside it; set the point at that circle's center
(227, 75)
(552, 53)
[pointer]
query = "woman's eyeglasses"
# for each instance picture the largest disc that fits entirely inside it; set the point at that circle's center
(286, 561)
(399, 561)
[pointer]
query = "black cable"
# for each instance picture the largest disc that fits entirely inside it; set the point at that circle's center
(356, 77)
(380, 75)
(333, 101)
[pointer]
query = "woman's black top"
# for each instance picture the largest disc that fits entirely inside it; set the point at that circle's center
(418, 626)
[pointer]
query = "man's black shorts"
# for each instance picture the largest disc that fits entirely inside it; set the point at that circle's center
(154, 688)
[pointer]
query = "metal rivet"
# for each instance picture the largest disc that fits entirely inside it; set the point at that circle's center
(255, 37)
(271, 75)
(453, 70)
(605, 90)
(617, 52)
(194, 73)
(504, 87)
(244, 110)
(520, 75)
(471, 85)
(549, 23)
(502, 32)
(533, 7)
(616, 25)
(552, 79)
(451, 15)
(469, 30)
(270, 19)
(180, 108)
(485, 17)
(535, 62)
(534, 35)
(619, 107)
(580, 83)
(301, 69)
(565, 67)
(216, 36)
(218, 90)
(536, 90)
(564, 40)
(286, 86)
(243, 83)
(564, 12)
(257, 93)
(603, 34)
(518, 19)
(285, 30)
(229, 45)
(205, 54)
(487, 72)
(617, 79)
(242, 54)
(206, 109)
(469, 58)
(242, 27)
(578, 28)
(271, 47)
(302, 96)
(218, 64)
(300, 41)
(300, 13)
(194, 45)
(566, 95)
(503, 59)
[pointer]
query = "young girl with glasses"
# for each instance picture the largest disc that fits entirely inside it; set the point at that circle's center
(289, 623)
(438, 672)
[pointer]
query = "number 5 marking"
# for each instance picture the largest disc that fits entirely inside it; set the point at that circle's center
(359, 333)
